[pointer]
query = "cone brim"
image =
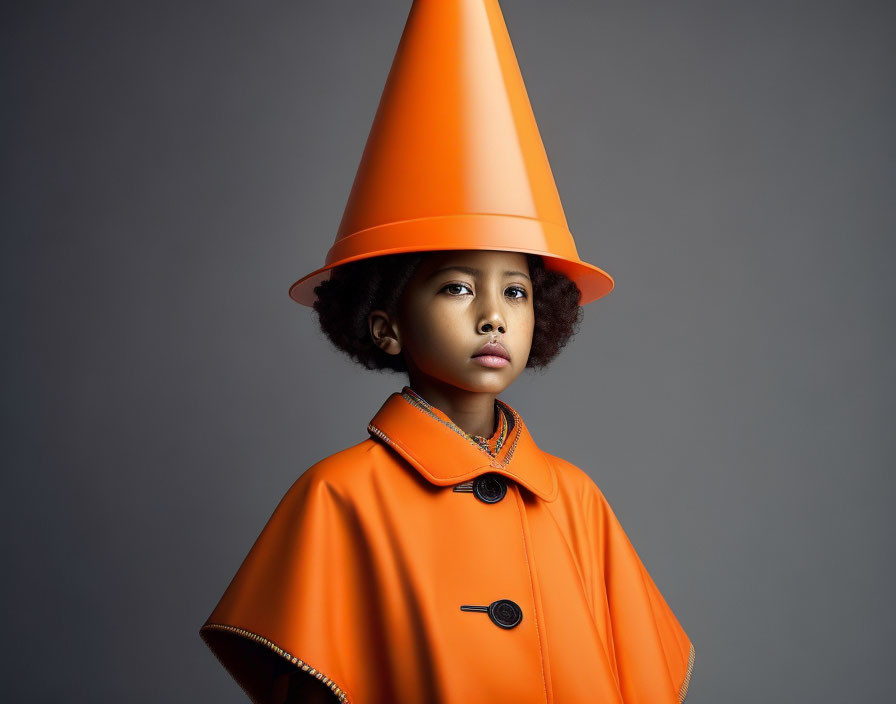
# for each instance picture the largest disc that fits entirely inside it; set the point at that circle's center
(592, 281)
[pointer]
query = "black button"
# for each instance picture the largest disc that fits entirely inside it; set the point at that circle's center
(490, 487)
(505, 613)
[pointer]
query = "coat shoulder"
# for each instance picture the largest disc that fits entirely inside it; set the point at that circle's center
(572, 477)
(344, 469)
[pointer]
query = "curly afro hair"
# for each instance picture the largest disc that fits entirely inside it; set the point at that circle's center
(353, 290)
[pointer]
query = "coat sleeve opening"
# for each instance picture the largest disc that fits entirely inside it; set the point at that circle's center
(265, 672)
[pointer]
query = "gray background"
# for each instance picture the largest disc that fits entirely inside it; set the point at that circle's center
(169, 168)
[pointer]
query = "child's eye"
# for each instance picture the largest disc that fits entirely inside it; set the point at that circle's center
(520, 289)
(455, 286)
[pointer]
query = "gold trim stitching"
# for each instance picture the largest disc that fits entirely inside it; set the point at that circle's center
(517, 424)
(298, 662)
(683, 691)
(379, 433)
(416, 404)
(493, 461)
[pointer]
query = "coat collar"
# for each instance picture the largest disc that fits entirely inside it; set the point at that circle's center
(444, 455)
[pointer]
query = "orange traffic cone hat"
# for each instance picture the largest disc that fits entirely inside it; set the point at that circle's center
(454, 159)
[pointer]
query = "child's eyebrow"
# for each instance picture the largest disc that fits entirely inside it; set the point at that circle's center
(473, 272)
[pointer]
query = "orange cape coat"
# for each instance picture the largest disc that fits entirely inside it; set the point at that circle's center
(359, 576)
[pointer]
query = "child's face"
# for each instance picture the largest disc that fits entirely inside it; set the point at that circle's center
(447, 314)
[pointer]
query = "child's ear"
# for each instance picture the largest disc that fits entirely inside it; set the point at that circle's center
(384, 331)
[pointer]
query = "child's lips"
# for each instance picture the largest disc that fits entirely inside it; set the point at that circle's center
(491, 360)
(493, 349)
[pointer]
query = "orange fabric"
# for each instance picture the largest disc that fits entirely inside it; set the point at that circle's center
(490, 444)
(359, 575)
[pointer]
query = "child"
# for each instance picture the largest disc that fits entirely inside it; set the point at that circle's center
(446, 558)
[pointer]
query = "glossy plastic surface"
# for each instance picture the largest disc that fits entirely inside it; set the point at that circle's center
(454, 158)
